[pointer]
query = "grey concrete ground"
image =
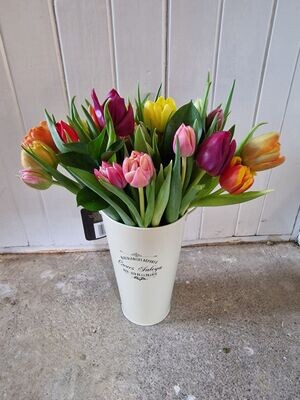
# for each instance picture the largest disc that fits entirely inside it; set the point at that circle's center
(233, 332)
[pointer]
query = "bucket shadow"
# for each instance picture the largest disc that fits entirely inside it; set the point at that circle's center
(237, 296)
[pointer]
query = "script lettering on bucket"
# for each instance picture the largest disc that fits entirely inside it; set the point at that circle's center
(138, 266)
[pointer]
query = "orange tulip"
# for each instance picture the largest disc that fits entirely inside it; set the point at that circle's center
(262, 152)
(236, 178)
(40, 133)
(42, 151)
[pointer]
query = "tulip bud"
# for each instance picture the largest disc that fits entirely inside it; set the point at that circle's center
(122, 116)
(262, 152)
(42, 151)
(138, 169)
(36, 178)
(187, 140)
(215, 153)
(66, 133)
(220, 118)
(40, 133)
(236, 178)
(158, 113)
(111, 173)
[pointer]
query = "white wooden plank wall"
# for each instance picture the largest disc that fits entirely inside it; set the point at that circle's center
(61, 48)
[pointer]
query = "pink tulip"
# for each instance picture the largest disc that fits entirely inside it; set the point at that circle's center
(187, 140)
(111, 173)
(138, 169)
(36, 178)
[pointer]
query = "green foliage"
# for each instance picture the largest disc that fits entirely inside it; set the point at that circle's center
(228, 199)
(150, 195)
(90, 200)
(162, 197)
(173, 206)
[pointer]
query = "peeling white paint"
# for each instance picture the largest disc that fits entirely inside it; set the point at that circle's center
(47, 274)
(176, 389)
(190, 397)
(230, 260)
(249, 350)
(5, 290)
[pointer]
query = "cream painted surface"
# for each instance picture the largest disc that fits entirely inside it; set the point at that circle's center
(66, 47)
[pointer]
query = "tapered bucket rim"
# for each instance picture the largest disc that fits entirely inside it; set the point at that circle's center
(152, 228)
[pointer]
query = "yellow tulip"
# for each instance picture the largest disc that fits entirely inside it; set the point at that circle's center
(262, 152)
(41, 150)
(157, 114)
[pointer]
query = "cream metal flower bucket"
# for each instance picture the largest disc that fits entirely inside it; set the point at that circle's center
(145, 263)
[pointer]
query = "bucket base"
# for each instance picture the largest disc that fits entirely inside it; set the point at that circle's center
(149, 323)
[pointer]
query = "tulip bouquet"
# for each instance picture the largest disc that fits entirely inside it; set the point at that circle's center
(147, 166)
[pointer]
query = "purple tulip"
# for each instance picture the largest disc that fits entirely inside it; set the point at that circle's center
(215, 153)
(220, 118)
(122, 116)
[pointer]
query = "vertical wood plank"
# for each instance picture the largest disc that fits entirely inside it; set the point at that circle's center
(193, 31)
(28, 202)
(87, 57)
(193, 34)
(281, 208)
(138, 28)
(275, 90)
(241, 53)
(34, 63)
(12, 231)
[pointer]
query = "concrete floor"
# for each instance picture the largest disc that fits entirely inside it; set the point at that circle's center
(233, 332)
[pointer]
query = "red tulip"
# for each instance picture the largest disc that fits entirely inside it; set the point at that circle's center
(220, 118)
(215, 153)
(236, 178)
(111, 173)
(122, 116)
(66, 133)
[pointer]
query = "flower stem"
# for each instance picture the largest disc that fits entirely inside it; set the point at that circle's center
(217, 192)
(198, 177)
(183, 170)
(142, 203)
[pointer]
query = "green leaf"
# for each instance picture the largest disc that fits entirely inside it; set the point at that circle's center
(232, 130)
(206, 97)
(112, 137)
(187, 114)
(247, 138)
(228, 104)
(156, 155)
(173, 206)
(77, 147)
(189, 170)
(112, 149)
(125, 199)
(189, 197)
(150, 194)
(212, 127)
(96, 146)
(228, 199)
(90, 200)
(111, 212)
(77, 160)
(91, 124)
(162, 197)
(160, 179)
(92, 183)
(140, 143)
(158, 92)
(55, 136)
